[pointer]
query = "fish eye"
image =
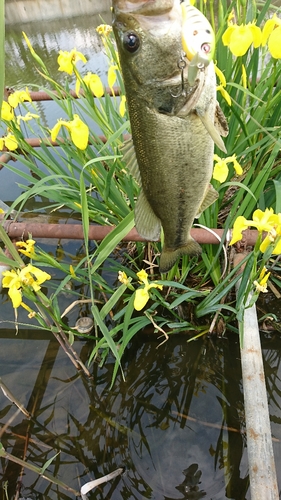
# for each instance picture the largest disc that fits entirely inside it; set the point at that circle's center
(206, 48)
(131, 42)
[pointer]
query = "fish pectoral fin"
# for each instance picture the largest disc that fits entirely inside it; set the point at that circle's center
(147, 223)
(214, 133)
(130, 158)
(220, 121)
(211, 195)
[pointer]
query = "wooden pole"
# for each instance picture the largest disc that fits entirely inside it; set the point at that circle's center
(262, 472)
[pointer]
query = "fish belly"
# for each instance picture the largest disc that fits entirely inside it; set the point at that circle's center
(175, 158)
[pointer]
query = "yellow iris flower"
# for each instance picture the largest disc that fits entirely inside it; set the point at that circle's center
(104, 29)
(94, 83)
(30, 276)
(26, 118)
(7, 112)
(142, 294)
(222, 85)
(221, 170)
(26, 247)
(261, 283)
(123, 278)
(78, 130)
(240, 38)
(10, 142)
(271, 33)
(18, 97)
(67, 60)
(265, 221)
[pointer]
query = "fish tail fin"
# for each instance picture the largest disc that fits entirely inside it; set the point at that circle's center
(170, 256)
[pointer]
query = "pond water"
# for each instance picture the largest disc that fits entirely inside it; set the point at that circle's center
(176, 423)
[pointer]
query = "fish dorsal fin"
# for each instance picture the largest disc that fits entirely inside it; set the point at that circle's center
(220, 121)
(130, 158)
(147, 223)
(211, 195)
(213, 131)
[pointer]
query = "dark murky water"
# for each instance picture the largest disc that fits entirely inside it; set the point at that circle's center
(177, 421)
(179, 411)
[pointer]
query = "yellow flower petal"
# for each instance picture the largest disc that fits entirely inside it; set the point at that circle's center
(220, 76)
(67, 60)
(256, 34)
(123, 278)
(122, 106)
(104, 29)
(220, 172)
(15, 296)
(269, 26)
(79, 132)
(26, 247)
(240, 224)
(142, 275)
(239, 38)
(94, 83)
(141, 298)
(7, 112)
(18, 97)
(226, 37)
(55, 130)
(277, 248)
(240, 41)
(274, 43)
(11, 142)
(244, 77)
(237, 167)
(263, 221)
(111, 77)
(225, 94)
(265, 244)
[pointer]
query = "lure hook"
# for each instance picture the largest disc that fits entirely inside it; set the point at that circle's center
(181, 65)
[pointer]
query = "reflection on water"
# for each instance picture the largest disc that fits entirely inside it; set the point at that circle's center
(176, 424)
(48, 38)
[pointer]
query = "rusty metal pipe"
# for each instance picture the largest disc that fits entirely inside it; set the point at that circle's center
(98, 233)
(36, 142)
(40, 95)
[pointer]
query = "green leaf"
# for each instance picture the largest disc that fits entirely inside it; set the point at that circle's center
(46, 464)
(85, 211)
(277, 186)
(104, 330)
(110, 242)
(108, 306)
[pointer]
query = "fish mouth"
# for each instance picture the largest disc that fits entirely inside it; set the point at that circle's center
(143, 7)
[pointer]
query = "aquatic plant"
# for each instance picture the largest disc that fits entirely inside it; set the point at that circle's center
(84, 172)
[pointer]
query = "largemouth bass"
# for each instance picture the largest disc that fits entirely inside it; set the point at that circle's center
(171, 98)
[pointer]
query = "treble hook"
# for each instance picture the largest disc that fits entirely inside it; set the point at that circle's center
(181, 65)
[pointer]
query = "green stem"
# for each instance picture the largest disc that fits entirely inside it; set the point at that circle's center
(10, 247)
(37, 470)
